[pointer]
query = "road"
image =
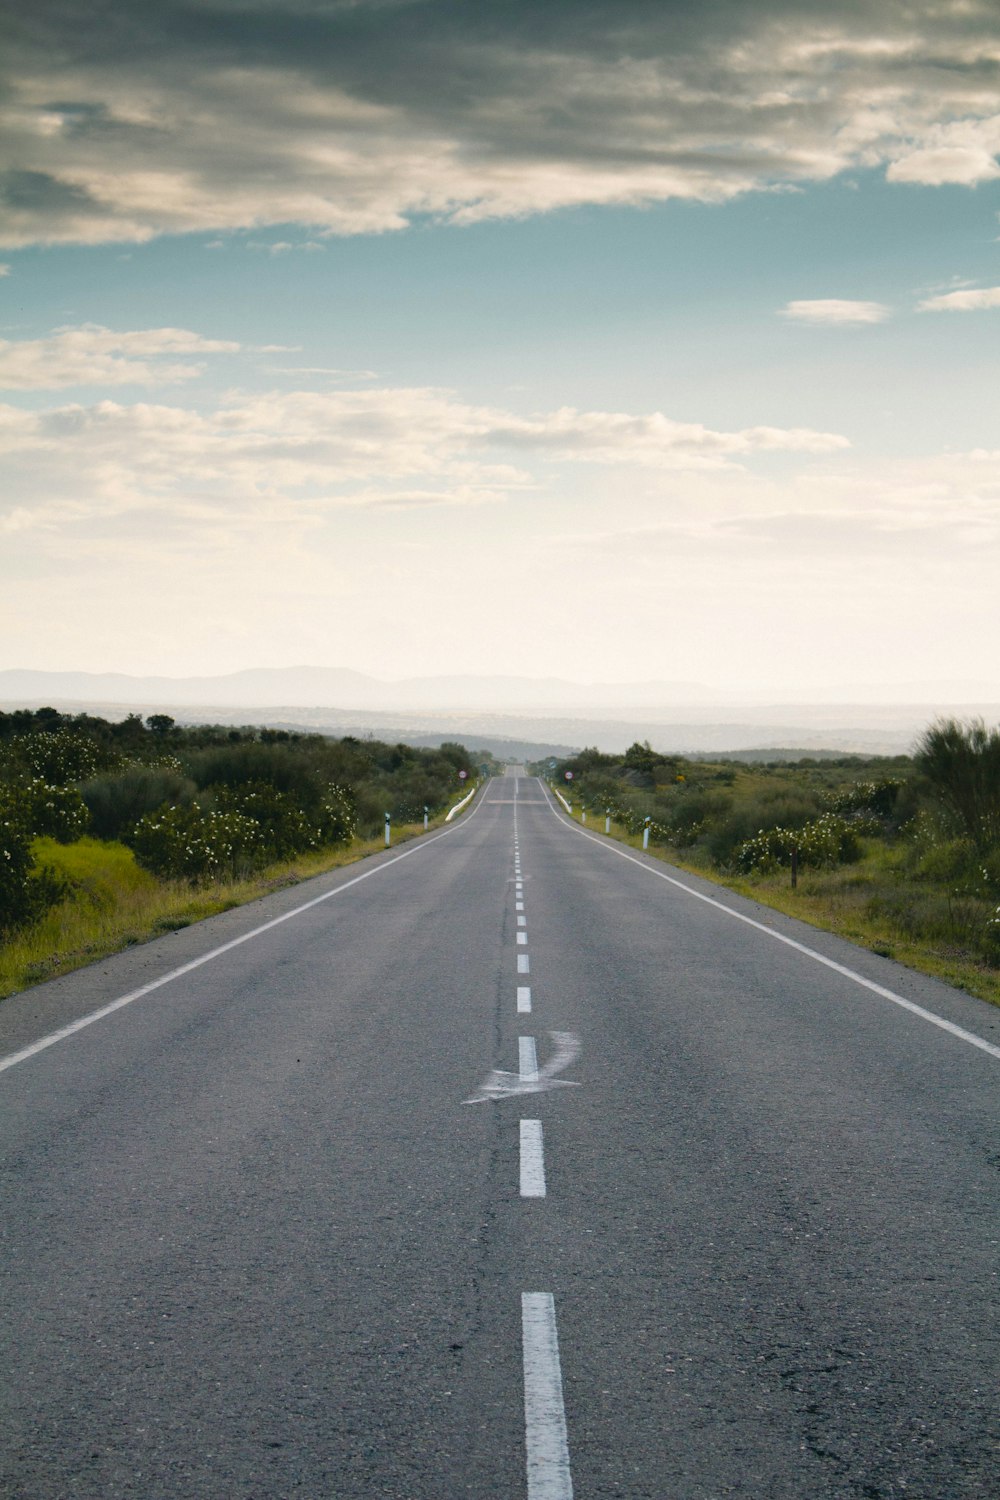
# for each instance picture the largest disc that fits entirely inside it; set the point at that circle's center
(509, 1163)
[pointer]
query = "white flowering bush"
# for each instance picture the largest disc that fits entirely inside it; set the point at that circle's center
(185, 842)
(338, 815)
(828, 840)
(875, 798)
(248, 826)
(56, 811)
(25, 893)
(58, 756)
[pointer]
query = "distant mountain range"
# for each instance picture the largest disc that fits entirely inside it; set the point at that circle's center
(309, 687)
(342, 688)
(515, 717)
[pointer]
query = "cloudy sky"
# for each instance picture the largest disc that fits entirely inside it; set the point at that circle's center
(620, 339)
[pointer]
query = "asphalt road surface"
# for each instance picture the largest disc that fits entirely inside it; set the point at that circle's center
(513, 1165)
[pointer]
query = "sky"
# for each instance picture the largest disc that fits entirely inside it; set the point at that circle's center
(614, 341)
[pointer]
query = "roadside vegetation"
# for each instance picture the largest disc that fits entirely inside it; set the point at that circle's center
(900, 854)
(112, 833)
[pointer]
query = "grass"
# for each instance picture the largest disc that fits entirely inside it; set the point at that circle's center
(873, 903)
(115, 904)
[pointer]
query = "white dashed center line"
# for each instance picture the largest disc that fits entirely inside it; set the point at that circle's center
(527, 1059)
(522, 964)
(522, 921)
(524, 999)
(544, 1414)
(532, 1160)
(522, 938)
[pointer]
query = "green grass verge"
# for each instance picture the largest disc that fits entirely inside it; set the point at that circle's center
(115, 904)
(867, 903)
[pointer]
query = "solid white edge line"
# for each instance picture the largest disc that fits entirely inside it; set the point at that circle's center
(545, 1439)
(13, 1058)
(829, 963)
(524, 999)
(532, 1159)
(527, 1059)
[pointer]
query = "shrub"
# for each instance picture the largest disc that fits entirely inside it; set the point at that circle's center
(282, 827)
(877, 798)
(829, 840)
(58, 756)
(693, 811)
(117, 802)
(25, 893)
(947, 861)
(776, 809)
(338, 815)
(58, 812)
(961, 762)
(188, 843)
(284, 767)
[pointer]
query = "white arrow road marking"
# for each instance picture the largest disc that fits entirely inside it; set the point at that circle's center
(499, 1085)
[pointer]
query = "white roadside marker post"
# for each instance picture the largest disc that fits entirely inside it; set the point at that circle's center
(607, 820)
(387, 826)
(426, 811)
(645, 833)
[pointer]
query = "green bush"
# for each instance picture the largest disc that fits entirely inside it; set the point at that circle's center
(116, 802)
(186, 842)
(25, 893)
(779, 809)
(877, 798)
(693, 811)
(57, 812)
(961, 763)
(58, 757)
(283, 828)
(829, 840)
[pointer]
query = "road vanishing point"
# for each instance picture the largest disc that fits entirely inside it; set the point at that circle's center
(506, 1163)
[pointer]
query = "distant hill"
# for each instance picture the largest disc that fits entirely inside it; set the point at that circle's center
(516, 716)
(339, 687)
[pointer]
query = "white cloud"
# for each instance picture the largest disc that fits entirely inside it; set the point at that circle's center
(653, 440)
(92, 355)
(964, 301)
(299, 455)
(937, 504)
(267, 523)
(167, 125)
(962, 152)
(836, 310)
